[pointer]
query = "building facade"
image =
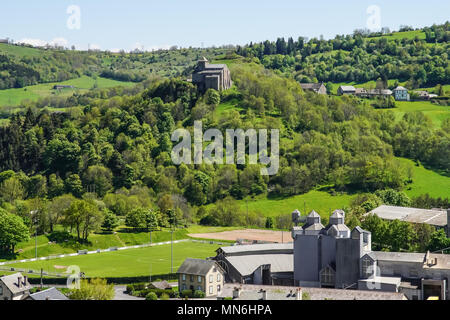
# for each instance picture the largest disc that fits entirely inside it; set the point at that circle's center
(401, 94)
(201, 275)
(211, 76)
(334, 257)
(346, 90)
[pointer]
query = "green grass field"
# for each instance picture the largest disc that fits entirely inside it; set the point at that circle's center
(13, 97)
(436, 113)
(97, 241)
(427, 181)
(320, 201)
(19, 51)
(128, 263)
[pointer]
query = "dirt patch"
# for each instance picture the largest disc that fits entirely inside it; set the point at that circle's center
(247, 234)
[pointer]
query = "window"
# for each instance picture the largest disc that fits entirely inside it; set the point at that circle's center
(218, 277)
(184, 277)
(211, 279)
(199, 288)
(192, 278)
(367, 268)
(183, 287)
(199, 279)
(327, 277)
(211, 289)
(218, 288)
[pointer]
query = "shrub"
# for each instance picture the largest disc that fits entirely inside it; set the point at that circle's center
(151, 296)
(199, 294)
(164, 296)
(186, 294)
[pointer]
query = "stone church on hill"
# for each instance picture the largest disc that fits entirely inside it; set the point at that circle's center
(211, 76)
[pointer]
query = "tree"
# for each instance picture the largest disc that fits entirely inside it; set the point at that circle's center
(98, 179)
(439, 241)
(212, 97)
(269, 223)
(57, 207)
(95, 289)
(12, 189)
(12, 231)
(110, 222)
(84, 216)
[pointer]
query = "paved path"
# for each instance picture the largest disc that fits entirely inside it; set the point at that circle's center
(120, 294)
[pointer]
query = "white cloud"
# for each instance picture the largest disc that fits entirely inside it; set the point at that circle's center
(95, 47)
(41, 43)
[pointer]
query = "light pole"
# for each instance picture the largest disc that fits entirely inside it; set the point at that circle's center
(171, 250)
(34, 218)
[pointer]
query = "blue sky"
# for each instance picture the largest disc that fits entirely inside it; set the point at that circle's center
(115, 24)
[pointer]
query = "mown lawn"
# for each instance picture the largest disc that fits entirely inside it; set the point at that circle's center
(13, 97)
(128, 263)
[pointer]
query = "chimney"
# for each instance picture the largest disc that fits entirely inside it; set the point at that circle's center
(264, 295)
(299, 295)
(19, 282)
(25, 280)
(236, 293)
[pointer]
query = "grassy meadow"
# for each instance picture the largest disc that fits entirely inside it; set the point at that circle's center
(14, 97)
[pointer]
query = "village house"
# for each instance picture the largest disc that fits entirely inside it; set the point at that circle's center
(211, 76)
(401, 94)
(315, 87)
(14, 287)
(202, 275)
(346, 90)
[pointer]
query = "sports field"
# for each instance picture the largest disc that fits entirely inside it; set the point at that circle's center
(127, 263)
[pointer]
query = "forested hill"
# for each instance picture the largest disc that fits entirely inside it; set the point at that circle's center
(418, 57)
(22, 66)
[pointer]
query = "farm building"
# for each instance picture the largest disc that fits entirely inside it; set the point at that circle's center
(346, 90)
(265, 264)
(315, 87)
(211, 76)
(436, 217)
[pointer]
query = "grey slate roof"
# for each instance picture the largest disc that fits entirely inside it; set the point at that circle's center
(49, 294)
(414, 215)
(196, 267)
(246, 265)
(11, 282)
(398, 256)
(253, 292)
(258, 248)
